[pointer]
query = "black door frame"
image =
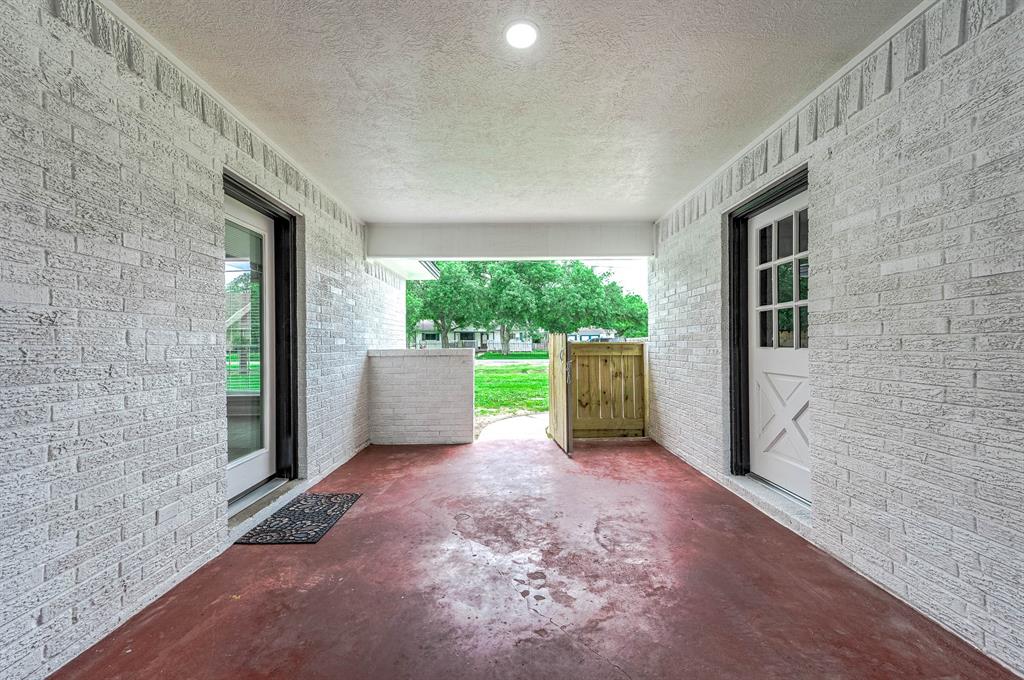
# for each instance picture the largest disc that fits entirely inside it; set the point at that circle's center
(286, 349)
(739, 351)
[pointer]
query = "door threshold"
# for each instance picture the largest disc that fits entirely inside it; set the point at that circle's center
(242, 502)
(781, 489)
(612, 439)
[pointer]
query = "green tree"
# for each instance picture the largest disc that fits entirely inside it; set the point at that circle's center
(526, 295)
(630, 317)
(413, 309)
(239, 284)
(576, 300)
(512, 295)
(452, 301)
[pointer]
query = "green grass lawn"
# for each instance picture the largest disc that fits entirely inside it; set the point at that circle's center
(243, 382)
(541, 354)
(508, 389)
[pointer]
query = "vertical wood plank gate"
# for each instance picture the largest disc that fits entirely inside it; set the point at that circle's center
(607, 385)
(559, 397)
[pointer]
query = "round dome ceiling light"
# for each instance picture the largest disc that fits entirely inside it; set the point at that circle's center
(521, 34)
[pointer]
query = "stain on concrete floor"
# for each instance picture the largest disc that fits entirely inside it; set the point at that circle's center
(508, 560)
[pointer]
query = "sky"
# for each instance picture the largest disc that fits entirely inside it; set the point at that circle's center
(630, 273)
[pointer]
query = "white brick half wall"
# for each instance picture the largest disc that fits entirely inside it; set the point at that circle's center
(112, 385)
(915, 158)
(421, 396)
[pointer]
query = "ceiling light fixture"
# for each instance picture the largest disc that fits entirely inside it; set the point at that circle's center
(521, 34)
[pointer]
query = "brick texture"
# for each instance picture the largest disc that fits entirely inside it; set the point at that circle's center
(916, 167)
(112, 394)
(421, 396)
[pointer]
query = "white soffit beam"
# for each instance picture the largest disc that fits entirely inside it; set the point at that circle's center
(409, 269)
(510, 241)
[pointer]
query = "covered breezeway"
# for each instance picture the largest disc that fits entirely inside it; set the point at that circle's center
(213, 215)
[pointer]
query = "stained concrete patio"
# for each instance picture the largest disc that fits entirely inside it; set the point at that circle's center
(508, 560)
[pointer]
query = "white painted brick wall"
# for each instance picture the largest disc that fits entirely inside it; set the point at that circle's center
(421, 396)
(112, 407)
(916, 166)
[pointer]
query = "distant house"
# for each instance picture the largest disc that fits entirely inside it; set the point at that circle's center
(480, 338)
(592, 335)
(427, 336)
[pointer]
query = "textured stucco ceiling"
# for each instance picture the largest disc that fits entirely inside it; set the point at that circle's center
(417, 110)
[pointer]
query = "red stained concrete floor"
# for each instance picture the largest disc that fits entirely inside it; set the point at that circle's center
(508, 560)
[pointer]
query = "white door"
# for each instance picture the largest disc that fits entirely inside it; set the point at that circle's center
(248, 291)
(779, 386)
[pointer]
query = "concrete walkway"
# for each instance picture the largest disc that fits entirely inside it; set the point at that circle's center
(518, 427)
(507, 560)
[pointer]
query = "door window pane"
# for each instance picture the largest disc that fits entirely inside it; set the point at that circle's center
(784, 279)
(801, 230)
(243, 291)
(765, 331)
(805, 272)
(786, 327)
(764, 286)
(785, 236)
(803, 327)
(765, 245)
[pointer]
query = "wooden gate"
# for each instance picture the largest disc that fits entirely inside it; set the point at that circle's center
(559, 413)
(608, 385)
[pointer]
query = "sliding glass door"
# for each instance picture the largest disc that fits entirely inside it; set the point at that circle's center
(249, 297)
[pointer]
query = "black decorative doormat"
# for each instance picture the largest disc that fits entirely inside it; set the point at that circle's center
(304, 520)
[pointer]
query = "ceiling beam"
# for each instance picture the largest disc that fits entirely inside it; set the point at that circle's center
(510, 241)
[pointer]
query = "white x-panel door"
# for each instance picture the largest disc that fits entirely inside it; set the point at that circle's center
(779, 386)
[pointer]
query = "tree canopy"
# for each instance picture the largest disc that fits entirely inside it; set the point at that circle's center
(630, 319)
(558, 297)
(452, 301)
(580, 299)
(512, 296)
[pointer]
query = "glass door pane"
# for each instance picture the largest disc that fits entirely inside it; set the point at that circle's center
(244, 293)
